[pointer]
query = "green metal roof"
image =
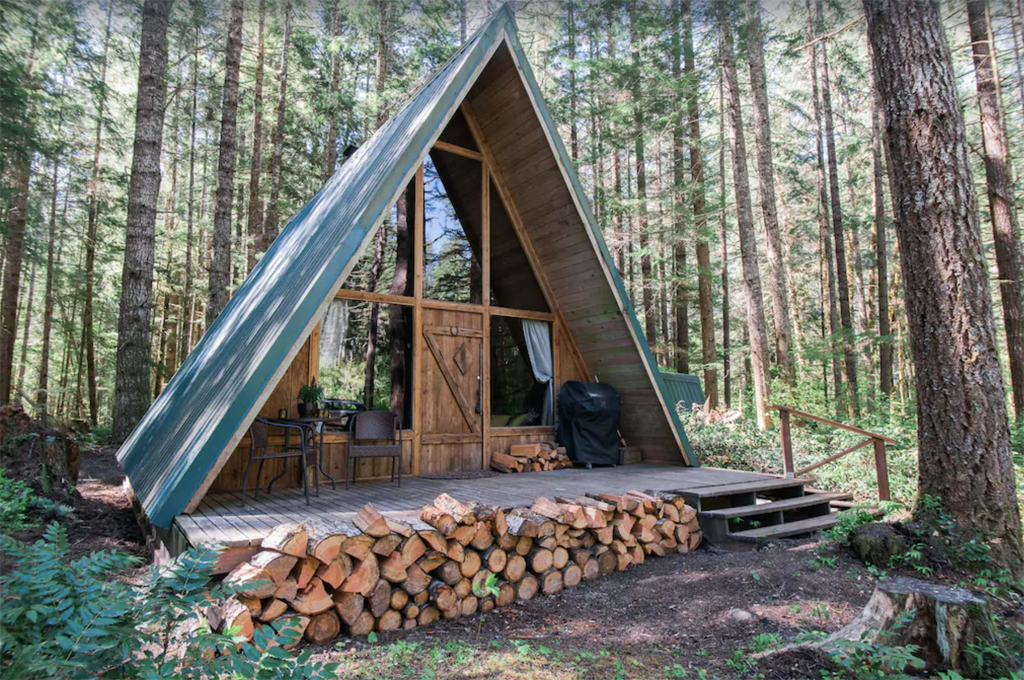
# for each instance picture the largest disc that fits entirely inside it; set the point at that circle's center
(682, 388)
(221, 386)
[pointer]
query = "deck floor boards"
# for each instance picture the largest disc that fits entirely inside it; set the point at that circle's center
(222, 518)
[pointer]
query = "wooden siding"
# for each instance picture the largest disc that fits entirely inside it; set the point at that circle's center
(525, 166)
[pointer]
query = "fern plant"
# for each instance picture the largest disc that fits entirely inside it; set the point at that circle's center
(77, 619)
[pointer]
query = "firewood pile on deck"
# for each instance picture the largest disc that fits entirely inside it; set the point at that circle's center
(454, 559)
(531, 458)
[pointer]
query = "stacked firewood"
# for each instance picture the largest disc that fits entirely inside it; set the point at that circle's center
(531, 458)
(454, 559)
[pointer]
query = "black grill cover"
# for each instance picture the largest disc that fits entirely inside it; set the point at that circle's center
(588, 422)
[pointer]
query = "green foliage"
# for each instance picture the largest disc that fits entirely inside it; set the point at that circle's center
(741, 446)
(18, 501)
(311, 393)
(83, 619)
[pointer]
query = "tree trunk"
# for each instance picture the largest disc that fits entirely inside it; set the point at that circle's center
(646, 270)
(14, 243)
(270, 219)
(220, 256)
(745, 223)
(825, 241)
(23, 363)
(383, 59)
(131, 395)
(255, 222)
(726, 346)
(331, 157)
(766, 180)
(42, 391)
(188, 298)
(1000, 194)
(383, 66)
(845, 317)
(964, 439)
(881, 249)
(680, 296)
(402, 284)
(574, 140)
(699, 203)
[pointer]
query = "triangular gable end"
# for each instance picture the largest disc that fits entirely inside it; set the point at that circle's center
(191, 429)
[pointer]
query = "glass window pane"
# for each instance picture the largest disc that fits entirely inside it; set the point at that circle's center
(452, 228)
(518, 399)
(512, 281)
(355, 334)
(386, 262)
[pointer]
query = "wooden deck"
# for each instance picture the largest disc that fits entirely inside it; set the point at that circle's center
(221, 518)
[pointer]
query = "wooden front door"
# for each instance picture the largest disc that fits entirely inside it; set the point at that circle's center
(452, 391)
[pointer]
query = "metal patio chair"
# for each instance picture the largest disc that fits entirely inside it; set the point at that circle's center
(259, 440)
(378, 429)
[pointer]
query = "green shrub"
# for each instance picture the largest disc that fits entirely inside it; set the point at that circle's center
(76, 619)
(18, 501)
(741, 446)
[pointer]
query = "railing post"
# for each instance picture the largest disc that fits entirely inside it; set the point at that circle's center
(882, 470)
(787, 443)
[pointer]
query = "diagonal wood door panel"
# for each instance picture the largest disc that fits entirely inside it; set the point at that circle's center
(472, 419)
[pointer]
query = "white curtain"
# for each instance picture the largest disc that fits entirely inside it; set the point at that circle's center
(538, 345)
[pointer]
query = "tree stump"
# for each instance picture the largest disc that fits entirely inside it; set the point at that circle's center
(943, 623)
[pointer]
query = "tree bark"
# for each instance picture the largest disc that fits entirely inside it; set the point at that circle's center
(254, 227)
(23, 363)
(824, 239)
(220, 255)
(698, 198)
(726, 345)
(964, 441)
(998, 178)
(574, 139)
(134, 363)
(769, 211)
(48, 295)
(881, 252)
(398, 315)
(270, 219)
(331, 157)
(842, 280)
(14, 243)
(646, 270)
(745, 223)
(188, 296)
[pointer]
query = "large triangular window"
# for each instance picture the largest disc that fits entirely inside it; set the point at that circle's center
(513, 283)
(452, 228)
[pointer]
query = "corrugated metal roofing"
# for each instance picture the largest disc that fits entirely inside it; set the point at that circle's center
(201, 414)
(683, 388)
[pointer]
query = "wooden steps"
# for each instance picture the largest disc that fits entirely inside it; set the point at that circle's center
(758, 486)
(749, 514)
(806, 526)
(778, 506)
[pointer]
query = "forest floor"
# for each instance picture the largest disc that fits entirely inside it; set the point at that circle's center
(700, 615)
(685, 616)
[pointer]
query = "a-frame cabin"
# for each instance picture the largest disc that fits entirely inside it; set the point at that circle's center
(488, 244)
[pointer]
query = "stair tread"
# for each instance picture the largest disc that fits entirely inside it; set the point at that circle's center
(744, 487)
(775, 506)
(804, 526)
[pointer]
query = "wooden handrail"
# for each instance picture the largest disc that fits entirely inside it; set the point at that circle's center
(877, 440)
(833, 423)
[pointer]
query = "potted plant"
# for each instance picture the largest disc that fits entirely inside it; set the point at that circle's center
(309, 397)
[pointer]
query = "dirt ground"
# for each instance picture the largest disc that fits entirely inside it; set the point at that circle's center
(684, 616)
(103, 518)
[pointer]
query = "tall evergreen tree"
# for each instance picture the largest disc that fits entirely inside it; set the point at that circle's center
(134, 363)
(963, 433)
